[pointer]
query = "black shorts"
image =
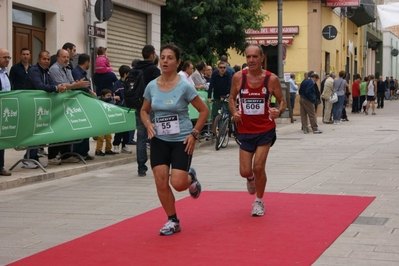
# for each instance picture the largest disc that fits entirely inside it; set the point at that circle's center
(370, 98)
(170, 154)
(249, 142)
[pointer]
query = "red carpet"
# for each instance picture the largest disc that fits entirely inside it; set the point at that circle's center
(217, 229)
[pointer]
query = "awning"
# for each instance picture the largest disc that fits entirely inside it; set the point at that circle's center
(270, 40)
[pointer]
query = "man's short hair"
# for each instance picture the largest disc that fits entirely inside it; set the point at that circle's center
(134, 62)
(200, 65)
(186, 65)
(292, 75)
(43, 52)
(256, 45)
(333, 74)
(314, 75)
(124, 69)
(223, 58)
(83, 58)
(147, 51)
(68, 45)
(24, 49)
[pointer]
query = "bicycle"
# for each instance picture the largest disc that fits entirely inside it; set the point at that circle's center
(224, 125)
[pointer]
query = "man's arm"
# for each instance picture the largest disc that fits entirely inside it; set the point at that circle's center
(275, 88)
(235, 88)
(35, 78)
(211, 85)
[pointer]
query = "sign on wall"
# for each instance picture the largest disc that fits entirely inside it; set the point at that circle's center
(342, 3)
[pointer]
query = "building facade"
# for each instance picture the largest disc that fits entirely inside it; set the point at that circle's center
(48, 24)
(320, 37)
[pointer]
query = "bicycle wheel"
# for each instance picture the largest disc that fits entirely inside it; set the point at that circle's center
(216, 125)
(222, 132)
(225, 138)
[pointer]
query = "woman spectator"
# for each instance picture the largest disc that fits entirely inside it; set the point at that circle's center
(172, 134)
(339, 88)
(371, 94)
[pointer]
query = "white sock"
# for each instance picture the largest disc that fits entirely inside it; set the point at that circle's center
(251, 178)
(259, 199)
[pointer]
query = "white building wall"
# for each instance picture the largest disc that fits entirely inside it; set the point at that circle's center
(390, 63)
(66, 20)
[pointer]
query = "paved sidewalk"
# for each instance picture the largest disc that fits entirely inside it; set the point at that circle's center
(359, 157)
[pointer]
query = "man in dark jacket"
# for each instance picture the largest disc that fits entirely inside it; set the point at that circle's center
(381, 89)
(150, 72)
(307, 103)
(38, 78)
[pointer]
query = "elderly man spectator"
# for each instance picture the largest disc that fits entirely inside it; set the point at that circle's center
(61, 74)
(198, 76)
(208, 73)
(5, 85)
(307, 102)
(186, 71)
(19, 71)
(328, 89)
(71, 48)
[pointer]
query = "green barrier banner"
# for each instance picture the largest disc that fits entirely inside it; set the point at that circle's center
(193, 113)
(33, 118)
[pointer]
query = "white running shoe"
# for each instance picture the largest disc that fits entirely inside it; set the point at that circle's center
(170, 228)
(54, 161)
(116, 149)
(29, 165)
(126, 150)
(258, 208)
(70, 160)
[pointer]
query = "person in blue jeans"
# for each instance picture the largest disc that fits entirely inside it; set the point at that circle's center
(150, 72)
(339, 88)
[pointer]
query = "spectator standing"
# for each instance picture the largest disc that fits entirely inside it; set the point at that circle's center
(39, 78)
(208, 73)
(328, 89)
(186, 71)
(339, 88)
(307, 104)
(293, 90)
(61, 74)
(229, 69)
(106, 96)
(381, 89)
(392, 87)
(71, 49)
(356, 94)
(371, 95)
(327, 75)
(5, 85)
(80, 73)
(119, 91)
(171, 150)
(150, 72)
(198, 76)
(19, 71)
(363, 92)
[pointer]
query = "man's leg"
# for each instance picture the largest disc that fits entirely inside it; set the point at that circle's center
(327, 111)
(309, 109)
(141, 146)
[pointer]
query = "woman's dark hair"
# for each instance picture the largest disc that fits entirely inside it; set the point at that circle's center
(174, 48)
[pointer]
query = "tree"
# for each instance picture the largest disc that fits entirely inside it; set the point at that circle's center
(206, 29)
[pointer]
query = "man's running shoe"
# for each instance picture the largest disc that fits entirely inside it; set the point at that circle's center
(258, 208)
(170, 228)
(195, 187)
(251, 186)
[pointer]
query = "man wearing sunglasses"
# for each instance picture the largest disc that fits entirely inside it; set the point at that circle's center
(220, 86)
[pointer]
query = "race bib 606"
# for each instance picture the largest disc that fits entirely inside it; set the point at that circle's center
(253, 106)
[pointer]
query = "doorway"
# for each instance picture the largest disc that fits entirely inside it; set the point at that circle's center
(28, 32)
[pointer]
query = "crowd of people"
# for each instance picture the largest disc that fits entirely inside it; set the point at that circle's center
(364, 94)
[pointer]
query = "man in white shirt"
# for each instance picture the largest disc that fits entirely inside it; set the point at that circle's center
(200, 82)
(186, 71)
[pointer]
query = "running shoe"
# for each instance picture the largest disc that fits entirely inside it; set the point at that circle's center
(251, 186)
(258, 208)
(195, 187)
(170, 228)
(29, 165)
